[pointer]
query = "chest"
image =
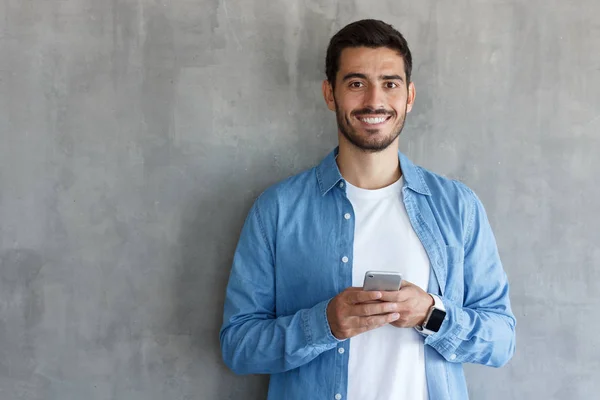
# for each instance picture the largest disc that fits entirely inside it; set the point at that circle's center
(322, 245)
(384, 240)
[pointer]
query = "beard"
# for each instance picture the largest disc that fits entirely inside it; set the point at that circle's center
(369, 143)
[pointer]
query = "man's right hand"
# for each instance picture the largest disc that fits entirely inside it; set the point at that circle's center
(355, 311)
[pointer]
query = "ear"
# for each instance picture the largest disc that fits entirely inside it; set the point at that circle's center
(328, 95)
(411, 97)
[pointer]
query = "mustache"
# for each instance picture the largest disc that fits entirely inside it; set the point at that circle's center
(370, 111)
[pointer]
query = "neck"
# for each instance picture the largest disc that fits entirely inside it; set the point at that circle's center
(369, 170)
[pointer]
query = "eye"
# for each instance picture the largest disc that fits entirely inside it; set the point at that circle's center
(356, 84)
(391, 85)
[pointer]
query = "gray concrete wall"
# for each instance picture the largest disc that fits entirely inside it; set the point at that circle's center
(135, 135)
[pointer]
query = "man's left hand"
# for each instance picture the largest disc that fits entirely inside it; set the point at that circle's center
(412, 303)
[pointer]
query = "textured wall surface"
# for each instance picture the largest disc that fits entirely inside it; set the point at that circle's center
(135, 134)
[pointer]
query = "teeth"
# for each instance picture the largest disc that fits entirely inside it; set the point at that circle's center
(373, 120)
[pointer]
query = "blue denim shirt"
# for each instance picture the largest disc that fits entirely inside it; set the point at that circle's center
(295, 253)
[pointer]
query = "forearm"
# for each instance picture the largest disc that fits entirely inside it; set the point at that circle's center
(480, 327)
(253, 338)
(481, 336)
(259, 344)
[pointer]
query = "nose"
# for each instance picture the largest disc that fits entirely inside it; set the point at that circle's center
(374, 98)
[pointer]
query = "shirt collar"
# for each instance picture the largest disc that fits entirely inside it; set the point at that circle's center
(328, 174)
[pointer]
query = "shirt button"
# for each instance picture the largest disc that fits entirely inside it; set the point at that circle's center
(344, 259)
(347, 215)
(338, 397)
(341, 350)
(453, 357)
(341, 184)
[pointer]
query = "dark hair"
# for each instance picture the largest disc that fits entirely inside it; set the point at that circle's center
(365, 33)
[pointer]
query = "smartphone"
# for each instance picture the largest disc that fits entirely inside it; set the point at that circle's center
(382, 280)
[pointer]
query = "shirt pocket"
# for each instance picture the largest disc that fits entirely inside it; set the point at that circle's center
(455, 287)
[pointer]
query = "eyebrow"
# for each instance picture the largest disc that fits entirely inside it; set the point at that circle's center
(381, 77)
(391, 78)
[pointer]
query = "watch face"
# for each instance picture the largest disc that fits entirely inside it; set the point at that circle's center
(435, 320)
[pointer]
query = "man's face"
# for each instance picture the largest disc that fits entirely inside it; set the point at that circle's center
(371, 97)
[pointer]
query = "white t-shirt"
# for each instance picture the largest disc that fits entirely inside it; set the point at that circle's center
(388, 362)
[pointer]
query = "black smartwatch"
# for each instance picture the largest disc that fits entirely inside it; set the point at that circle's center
(434, 318)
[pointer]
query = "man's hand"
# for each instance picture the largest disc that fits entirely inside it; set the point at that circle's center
(412, 302)
(355, 311)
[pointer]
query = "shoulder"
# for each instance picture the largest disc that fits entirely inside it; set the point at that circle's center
(453, 203)
(442, 187)
(287, 191)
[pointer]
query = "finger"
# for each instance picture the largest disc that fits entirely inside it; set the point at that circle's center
(376, 321)
(397, 295)
(361, 296)
(370, 302)
(353, 288)
(405, 283)
(368, 309)
(404, 308)
(347, 293)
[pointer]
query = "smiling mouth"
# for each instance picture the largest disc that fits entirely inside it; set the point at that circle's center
(372, 121)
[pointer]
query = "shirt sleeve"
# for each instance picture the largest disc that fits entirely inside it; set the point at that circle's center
(253, 339)
(482, 329)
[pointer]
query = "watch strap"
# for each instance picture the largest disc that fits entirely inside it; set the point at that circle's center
(438, 304)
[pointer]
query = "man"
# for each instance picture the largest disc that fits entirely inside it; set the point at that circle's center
(295, 308)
